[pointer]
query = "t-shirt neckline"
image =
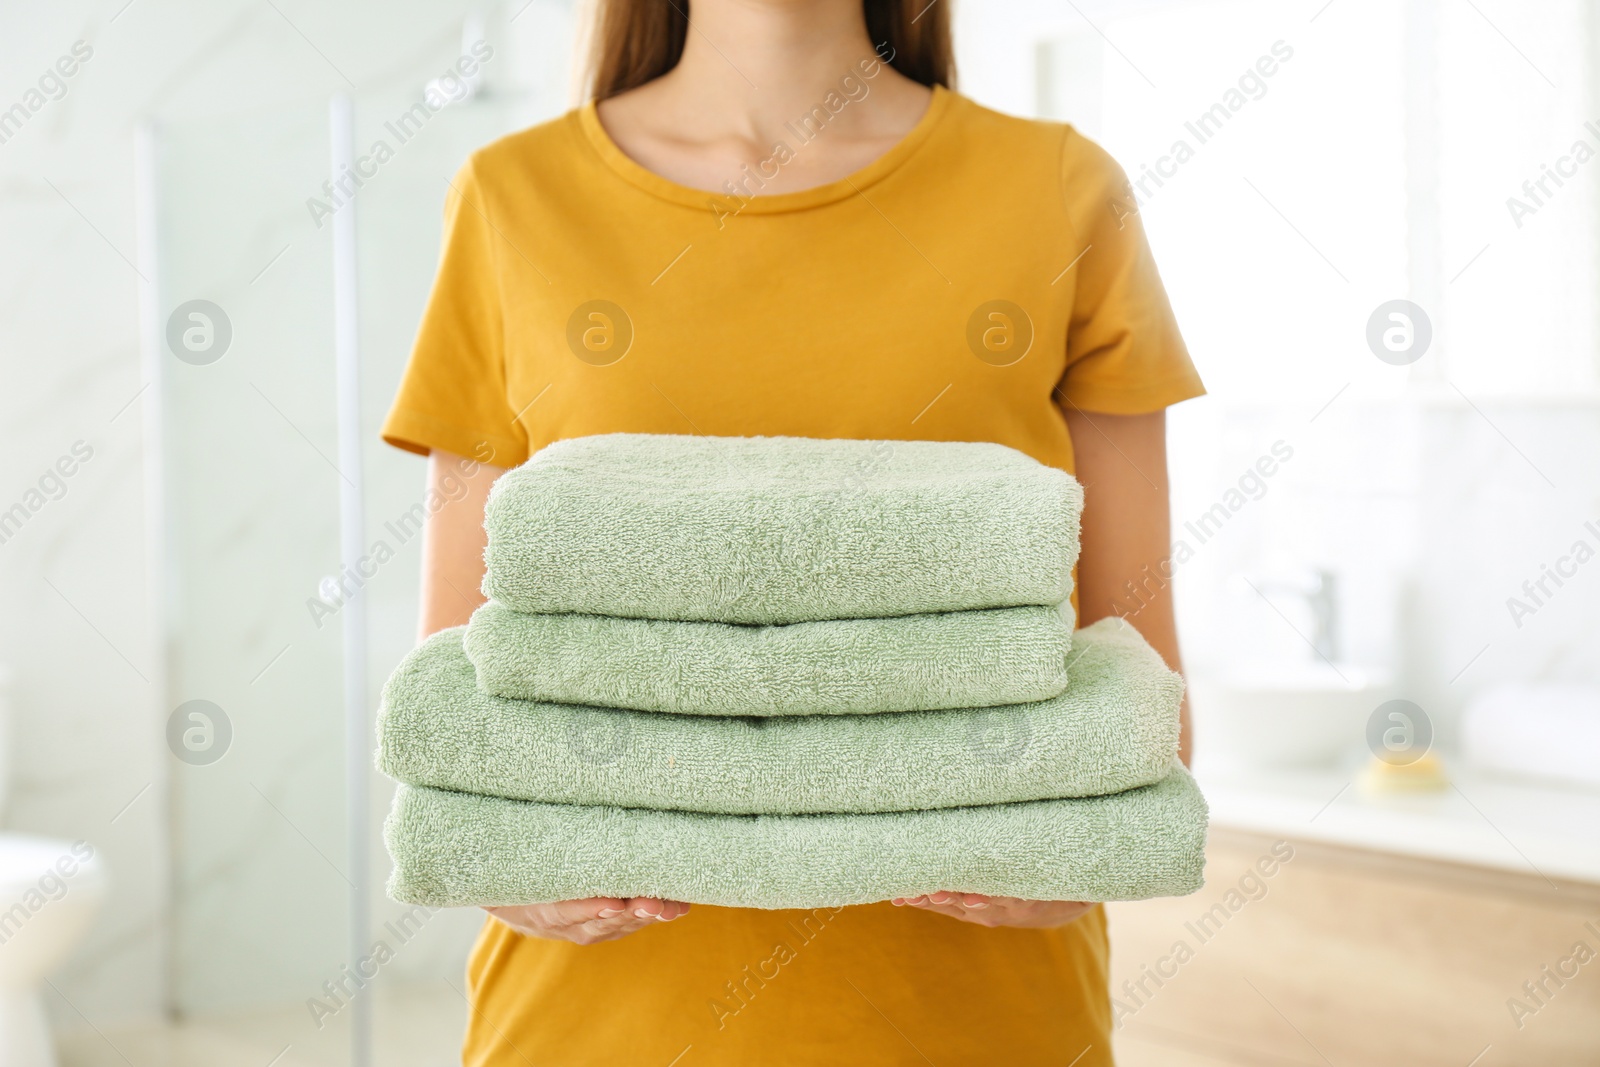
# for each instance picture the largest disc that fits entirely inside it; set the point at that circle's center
(588, 118)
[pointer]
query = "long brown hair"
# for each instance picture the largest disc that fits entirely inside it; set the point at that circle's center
(635, 41)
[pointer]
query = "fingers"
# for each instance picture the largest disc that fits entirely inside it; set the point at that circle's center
(653, 910)
(630, 912)
(976, 901)
(1072, 910)
(968, 907)
(577, 912)
(635, 914)
(998, 911)
(956, 910)
(590, 920)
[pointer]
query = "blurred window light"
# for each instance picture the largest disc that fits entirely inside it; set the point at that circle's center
(1297, 166)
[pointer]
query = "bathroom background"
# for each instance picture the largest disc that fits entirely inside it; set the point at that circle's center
(1377, 508)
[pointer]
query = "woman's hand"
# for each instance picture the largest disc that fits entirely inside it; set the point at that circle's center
(590, 921)
(998, 911)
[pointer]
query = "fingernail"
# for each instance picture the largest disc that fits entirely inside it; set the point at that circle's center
(641, 913)
(978, 905)
(610, 913)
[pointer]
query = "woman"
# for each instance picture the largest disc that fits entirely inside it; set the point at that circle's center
(778, 219)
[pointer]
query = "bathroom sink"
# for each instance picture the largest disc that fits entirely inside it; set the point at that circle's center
(1296, 714)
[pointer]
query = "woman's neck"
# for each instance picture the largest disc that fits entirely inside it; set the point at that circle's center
(749, 67)
(751, 71)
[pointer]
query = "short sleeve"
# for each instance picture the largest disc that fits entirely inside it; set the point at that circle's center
(1125, 355)
(453, 394)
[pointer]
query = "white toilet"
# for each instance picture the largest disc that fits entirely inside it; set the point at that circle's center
(50, 890)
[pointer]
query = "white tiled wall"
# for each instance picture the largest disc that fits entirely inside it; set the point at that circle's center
(240, 877)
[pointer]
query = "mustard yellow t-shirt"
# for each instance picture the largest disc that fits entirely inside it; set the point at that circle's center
(982, 273)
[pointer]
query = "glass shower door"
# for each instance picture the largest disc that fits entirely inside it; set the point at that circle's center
(255, 308)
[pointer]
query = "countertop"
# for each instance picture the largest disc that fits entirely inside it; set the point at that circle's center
(1545, 830)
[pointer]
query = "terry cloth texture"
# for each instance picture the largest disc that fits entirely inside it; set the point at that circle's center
(766, 530)
(957, 659)
(1114, 728)
(458, 850)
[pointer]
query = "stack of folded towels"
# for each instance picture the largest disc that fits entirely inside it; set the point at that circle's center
(784, 672)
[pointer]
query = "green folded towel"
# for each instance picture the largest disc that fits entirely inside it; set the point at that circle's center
(956, 659)
(1115, 728)
(778, 529)
(457, 849)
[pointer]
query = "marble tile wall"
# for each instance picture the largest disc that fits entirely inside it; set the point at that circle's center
(227, 877)
(1510, 488)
